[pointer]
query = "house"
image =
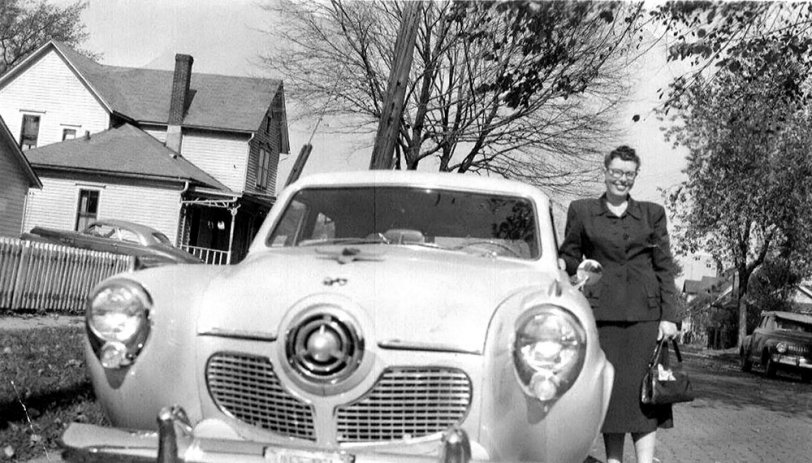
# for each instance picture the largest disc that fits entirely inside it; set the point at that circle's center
(16, 176)
(223, 135)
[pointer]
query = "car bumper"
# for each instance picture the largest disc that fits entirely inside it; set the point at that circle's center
(792, 361)
(175, 443)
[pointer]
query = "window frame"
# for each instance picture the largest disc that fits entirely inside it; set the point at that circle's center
(263, 168)
(23, 145)
(85, 217)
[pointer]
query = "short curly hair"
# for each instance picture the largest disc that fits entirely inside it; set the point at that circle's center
(625, 153)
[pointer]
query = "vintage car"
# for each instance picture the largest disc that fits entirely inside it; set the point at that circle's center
(149, 246)
(378, 316)
(781, 341)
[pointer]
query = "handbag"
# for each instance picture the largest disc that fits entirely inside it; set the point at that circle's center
(664, 383)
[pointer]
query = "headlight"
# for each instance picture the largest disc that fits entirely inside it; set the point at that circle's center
(118, 321)
(781, 347)
(548, 351)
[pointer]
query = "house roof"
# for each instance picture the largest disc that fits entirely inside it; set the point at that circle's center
(125, 150)
(706, 284)
(218, 102)
(8, 139)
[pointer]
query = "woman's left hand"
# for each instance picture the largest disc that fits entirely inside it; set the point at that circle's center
(667, 329)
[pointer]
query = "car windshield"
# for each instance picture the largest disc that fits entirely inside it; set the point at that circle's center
(793, 325)
(452, 220)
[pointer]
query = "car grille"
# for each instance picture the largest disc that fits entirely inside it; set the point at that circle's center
(799, 350)
(405, 402)
(246, 387)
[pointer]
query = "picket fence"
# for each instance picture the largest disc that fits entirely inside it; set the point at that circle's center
(52, 277)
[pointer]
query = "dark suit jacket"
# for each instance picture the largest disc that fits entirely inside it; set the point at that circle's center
(634, 250)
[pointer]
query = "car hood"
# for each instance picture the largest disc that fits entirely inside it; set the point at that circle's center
(177, 254)
(414, 297)
(792, 336)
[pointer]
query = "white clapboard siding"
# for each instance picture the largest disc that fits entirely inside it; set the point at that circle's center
(159, 133)
(221, 155)
(13, 188)
(55, 206)
(50, 89)
(51, 277)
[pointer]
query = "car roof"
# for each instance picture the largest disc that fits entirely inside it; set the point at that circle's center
(136, 227)
(414, 178)
(797, 317)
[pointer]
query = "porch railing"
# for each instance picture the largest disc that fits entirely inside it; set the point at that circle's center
(52, 277)
(209, 256)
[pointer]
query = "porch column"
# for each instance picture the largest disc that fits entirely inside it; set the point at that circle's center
(233, 211)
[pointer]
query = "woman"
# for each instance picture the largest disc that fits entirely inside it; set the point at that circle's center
(634, 302)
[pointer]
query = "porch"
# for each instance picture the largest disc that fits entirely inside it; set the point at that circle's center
(218, 228)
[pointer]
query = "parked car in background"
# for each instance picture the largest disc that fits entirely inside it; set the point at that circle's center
(150, 247)
(386, 316)
(781, 341)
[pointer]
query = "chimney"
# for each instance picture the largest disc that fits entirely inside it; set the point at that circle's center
(178, 100)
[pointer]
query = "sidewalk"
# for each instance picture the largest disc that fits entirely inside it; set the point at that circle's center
(25, 321)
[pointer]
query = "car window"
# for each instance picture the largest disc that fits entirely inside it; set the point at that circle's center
(792, 325)
(161, 238)
(101, 230)
(447, 219)
(128, 236)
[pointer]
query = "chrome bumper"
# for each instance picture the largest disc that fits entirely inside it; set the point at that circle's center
(175, 443)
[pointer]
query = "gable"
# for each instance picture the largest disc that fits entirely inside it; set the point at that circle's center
(46, 86)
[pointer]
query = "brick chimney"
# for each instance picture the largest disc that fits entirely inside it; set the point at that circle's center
(178, 100)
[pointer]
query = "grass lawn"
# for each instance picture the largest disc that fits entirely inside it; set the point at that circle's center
(43, 388)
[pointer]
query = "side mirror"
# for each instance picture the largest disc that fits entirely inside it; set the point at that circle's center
(588, 273)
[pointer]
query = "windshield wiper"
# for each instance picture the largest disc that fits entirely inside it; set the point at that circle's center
(351, 240)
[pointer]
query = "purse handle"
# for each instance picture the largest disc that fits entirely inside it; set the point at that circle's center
(659, 348)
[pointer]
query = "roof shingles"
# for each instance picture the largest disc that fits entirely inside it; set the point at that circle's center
(124, 150)
(218, 102)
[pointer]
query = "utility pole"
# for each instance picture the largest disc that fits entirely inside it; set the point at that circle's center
(296, 171)
(392, 110)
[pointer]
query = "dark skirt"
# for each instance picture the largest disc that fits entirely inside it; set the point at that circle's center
(628, 346)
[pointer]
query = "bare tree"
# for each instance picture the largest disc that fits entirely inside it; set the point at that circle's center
(526, 90)
(26, 25)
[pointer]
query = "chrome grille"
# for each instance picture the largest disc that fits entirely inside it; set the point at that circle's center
(797, 349)
(246, 387)
(404, 402)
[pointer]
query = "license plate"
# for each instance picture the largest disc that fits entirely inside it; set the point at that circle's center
(282, 455)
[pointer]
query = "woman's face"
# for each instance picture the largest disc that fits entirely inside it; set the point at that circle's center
(620, 176)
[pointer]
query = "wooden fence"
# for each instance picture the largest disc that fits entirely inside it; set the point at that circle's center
(52, 277)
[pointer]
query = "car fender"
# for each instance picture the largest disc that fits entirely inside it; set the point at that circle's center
(164, 371)
(512, 422)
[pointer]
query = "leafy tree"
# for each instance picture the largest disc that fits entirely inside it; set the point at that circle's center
(26, 25)
(728, 35)
(526, 90)
(748, 132)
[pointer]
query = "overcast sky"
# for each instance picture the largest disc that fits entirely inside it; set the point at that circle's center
(224, 38)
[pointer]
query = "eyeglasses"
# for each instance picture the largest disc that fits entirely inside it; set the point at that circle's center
(617, 173)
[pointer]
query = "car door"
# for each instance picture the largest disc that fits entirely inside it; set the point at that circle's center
(759, 336)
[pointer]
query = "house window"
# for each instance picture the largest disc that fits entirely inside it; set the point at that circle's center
(264, 168)
(87, 209)
(68, 134)
(29, 131)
